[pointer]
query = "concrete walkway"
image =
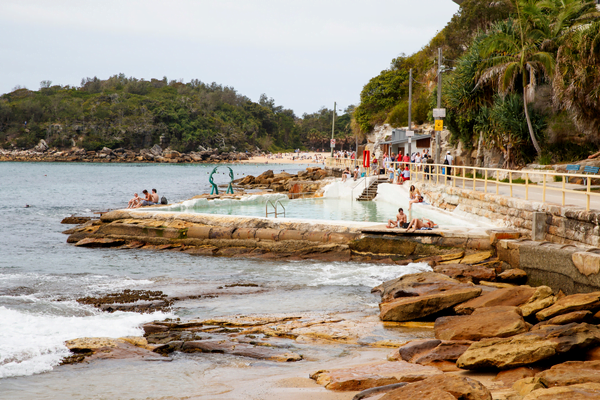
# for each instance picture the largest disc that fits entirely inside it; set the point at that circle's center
(535, 191)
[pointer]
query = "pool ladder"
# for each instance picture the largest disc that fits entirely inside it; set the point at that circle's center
(275, 208)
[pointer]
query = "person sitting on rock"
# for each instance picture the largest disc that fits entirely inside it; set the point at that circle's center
(415, 196)
(356, 172)
(400, 221)
(154, 196)
(418, 223)
(135, 202)
(147, 201)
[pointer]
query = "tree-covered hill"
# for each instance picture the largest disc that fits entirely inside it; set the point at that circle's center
(134, 113)
(520, 77)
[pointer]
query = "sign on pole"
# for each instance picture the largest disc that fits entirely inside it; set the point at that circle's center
(439, 125)
(332, 143)
(439, 113)
(410, 133)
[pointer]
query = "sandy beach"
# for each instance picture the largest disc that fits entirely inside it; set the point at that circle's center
(290, 158)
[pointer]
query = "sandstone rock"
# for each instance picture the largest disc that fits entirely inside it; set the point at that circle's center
(476, 257)
(171, 154)
(90, 343)
(586, 262)
(441, 387)
(513, 296)
(432, 352)
(574, 302)
(515, 275)
(510, 376)
(416, 285)
(239, 349)
(485, 322)
(100, 242)
(584, 391)
(526, 385)
(262, 178)
(408, 308)
(372, 375)
(247, 180)
(156, 150)
(541, 299)
(571, 373)
(575, 316)
(466, 273)
(528, 348)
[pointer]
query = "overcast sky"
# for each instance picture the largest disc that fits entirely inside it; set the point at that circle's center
(304, 54)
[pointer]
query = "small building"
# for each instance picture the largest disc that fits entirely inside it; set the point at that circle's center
(399, 143)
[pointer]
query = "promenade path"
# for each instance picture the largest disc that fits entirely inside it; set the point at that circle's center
(534, 192)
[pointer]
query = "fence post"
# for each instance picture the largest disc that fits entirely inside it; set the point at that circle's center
(510, 182)
(563, 189)
(526, 186)
(497, 180)
(587, 194)
(485, 176)
(544, 189)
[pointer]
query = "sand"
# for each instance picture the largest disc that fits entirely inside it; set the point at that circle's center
(287, 158)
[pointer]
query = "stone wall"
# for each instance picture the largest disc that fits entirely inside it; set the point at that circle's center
(564, 225)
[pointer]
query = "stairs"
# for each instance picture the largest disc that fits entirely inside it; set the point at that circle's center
(371, 191)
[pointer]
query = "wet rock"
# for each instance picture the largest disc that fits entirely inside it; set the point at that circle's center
(528, 348)
(73, 220)
(415, 348)
(89, 349)
(542, 298)
(367, 376)
(567, 304)
(100, 242)
(515, 275)
(584, 391)
(441, 387)
(466, 273)
(513, 296)
(239, 349)
(130, 300)
(571, 373)
(409, 308)
(416, 285)
(485, 322)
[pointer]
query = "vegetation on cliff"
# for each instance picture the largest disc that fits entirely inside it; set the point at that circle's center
(135, 113)
(499, 57)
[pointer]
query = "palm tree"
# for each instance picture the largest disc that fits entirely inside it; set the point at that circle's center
(514, 50)
(525, 46)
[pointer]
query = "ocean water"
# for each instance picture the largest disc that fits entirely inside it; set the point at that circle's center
(41, 276)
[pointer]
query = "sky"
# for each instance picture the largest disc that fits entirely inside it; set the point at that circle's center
(304, 54)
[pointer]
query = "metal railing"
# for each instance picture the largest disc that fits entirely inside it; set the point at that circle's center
(537, 185)
(277, 203)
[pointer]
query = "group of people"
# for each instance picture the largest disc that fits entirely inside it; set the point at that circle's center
(150, 199)
(401, 220)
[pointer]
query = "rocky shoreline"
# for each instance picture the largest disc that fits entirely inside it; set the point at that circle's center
(489, 337)
(43, 153)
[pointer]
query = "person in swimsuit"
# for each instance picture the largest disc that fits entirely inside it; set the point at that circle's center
(418, 223)
(154, 196)
(415, 196)
(135, 202)
(399, 222)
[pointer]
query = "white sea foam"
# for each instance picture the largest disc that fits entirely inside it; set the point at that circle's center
(350, 274)
(31, 344)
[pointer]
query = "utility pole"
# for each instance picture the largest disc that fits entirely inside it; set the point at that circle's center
(332, 129)
(438, 135)
(409, 109)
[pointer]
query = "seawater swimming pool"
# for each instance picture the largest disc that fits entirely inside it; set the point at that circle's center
(336, 205)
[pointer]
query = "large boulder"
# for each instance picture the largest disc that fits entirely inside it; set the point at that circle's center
(583, 391)
(571, 373)
(574, 302)
(264, 177)
(420, 284)
(485, 322)
(409, 308)
(430, 351)
(528, 348)
(41, 147)
(512, 296)
(368, 376)
(441, 387)
(156, 150)
(466, 273)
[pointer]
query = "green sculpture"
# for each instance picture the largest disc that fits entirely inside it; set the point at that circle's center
(215, 189)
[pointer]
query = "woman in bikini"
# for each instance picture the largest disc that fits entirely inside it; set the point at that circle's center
(415, 196)
(418, 223)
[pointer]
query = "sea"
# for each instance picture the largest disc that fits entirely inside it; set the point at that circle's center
(41, 276)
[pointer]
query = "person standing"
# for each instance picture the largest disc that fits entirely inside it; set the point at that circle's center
(448, 160)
